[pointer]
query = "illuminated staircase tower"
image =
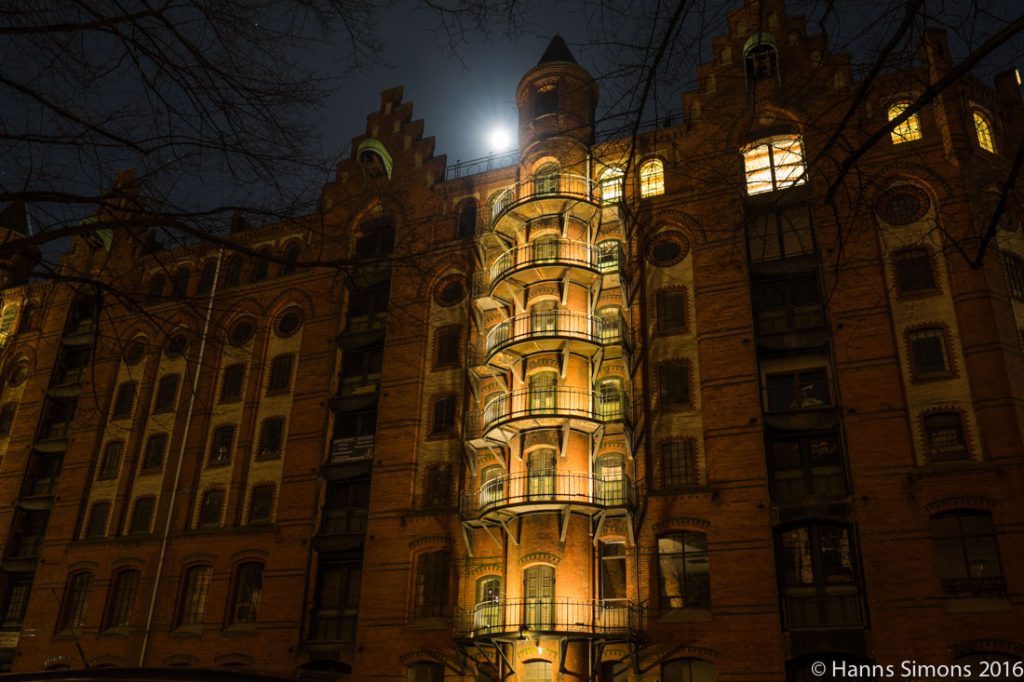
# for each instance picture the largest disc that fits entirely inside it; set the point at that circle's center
(549, 513)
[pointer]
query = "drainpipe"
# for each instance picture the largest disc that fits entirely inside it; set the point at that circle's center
(181, 459)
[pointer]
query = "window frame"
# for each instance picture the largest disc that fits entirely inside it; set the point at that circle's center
(772, 149)
(262, 452)
(124, 400)
(161, 401)
(929, 431)
(193, 593)
(279, 382)
(686, 452)
(149, 462)
(232, 388)
(922, 366)
(694, 586)
(652, 178)
(968, 543)
(74, 602)
(221, 454)
(909, 130)
(984, 131)
(210, 513)
(1013, 265)
(671, 323)
(262, 488)
(246, 594)
(443, 415)
(907, 272)
(120, 605)
(432, 584)
(674, 395)
(447, 346)
(90, 531)
(147, 504)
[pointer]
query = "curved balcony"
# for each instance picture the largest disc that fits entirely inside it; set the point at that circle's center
(613, 618)
(546, 489)
(550, 406)
(545, 259)
(545, 195)
(546, 330)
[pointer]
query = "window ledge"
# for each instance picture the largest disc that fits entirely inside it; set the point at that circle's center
(957, 466)
(682, 491)
(115, 632)
(240, 629)
(695, 614)
(428, 623)
(931, 377)
(977, 604)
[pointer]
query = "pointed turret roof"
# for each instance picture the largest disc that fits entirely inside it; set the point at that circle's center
(557, 51)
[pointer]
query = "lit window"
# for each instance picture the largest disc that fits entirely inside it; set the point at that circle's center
(538, 671)
(76, 594)
(983, 129)
(545, 180)
(774, 163)
(908, 130)
(652, 178)
(967, 555)
(683, 570)
(611, 184)
(195, 587)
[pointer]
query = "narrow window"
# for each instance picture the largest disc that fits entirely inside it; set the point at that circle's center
(467, 219)
(210, 508)
(928, 355)
(683, 570)
(155, 292)
(245, 602)
(540, 474)
(142, 516)
(539, 594)
(967, 555)
(443, 419)
(907, 131)
(180, 282)
(762, 62)
(983, 130)
(111, 461)
(7, 418)
(124, 400)
(774, 163)
(671, 311)
(280, 374)
(820, 577)
(96, 526)
(674, 383)
(261, 505)
(260, 267)
(231, 384)
(439, 487)
(336, 603)
(155, 447)
(206, 277)
(914, 271)
(944, 437)
(679, 463)
(492, 485)
(652, 178)
(433, 571)
(545, 179)
(220, 444)
(291, 258)
(487, 612)
(233, 272)
(121, 602)
(543, 391)
(271, 438)
(448, 346)
(613, 582)
(166, 392)
(1014, 266)
(195, 586)
(16, 599)
(610, 184)
(546, 101)
(76, 594)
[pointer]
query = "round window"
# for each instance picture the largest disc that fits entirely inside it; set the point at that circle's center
(242, 331)
(903, 205)
(450, 291)
(177, 345)
(289, 322)
(18, 374)
(668, 248)
(135, 352)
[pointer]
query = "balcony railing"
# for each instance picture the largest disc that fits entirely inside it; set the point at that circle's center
(546, 486)
(556, 252)
(555, 402)
(843, 609)
(544, 186)
(557, 324)
(551, 614)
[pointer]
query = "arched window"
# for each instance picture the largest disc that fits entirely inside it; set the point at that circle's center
(761, 58)
(545, 180)
(76, 594)
(487, 612)
(426, 672)
(260, 267)
(155, 292)
(373, 156)
(687, 670)
(611, 184)
(467, 219)
(233, 272)
(180, 283)
(492, 485)
(983, 129)
(195, 586)
(206, 277)
(433, 571)
(652, 178)
(967, 555)
(245, 600)
(609, 401)
(908, 130)
(610, 472)
(544, 317)
(121, 601)
(291, 256)
(774, 163)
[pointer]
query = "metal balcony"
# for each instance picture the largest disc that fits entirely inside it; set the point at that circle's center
(559, 325)
(539, 490)
(544, 406)
(559, 186)
(554, 252)
(615, 619)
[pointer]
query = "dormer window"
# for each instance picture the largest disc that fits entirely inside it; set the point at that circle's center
(908, 130)
(761, 58)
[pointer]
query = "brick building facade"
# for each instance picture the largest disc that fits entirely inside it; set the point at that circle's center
(651, 408)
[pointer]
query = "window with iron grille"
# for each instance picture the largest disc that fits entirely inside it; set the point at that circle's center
(96, 526)
(928, 352)
(271, 438)
(433, 572)
(679, 463)
(967, 554)
(444, 415)
(245, 602)
(674, 383)
(194, 588)
(166, 392)
(210, 508)
(914, 271)
(124, 400)
(155, 447)
(220, 444)
(683, 570)
(76, 595)
(231, 384)
(261, 505)
(121, 602)
(671, 311)
(142, 516)
(447, 346)
(280, 374)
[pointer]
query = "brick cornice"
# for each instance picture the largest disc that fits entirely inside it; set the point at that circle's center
(540, 557)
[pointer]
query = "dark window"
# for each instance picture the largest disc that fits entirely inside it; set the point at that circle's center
(271, 438)
(166, 392)
(28, 318)
(444, 415)
(433, 573)
(346, 508)
(155, 292)
(291, 257)
(762, 63)
(683, 570)
(155, 447)
(450, 291)
(376, 240)
(111, 461)
(448, 346)
(687, 670)
(280, 374)
(779, 234)
(220, 444)
(121, 602)
(367, 302)
(142, 516)
(135, 351)
(210, 507)
(206, 277)
(467, 219)
(180, 282)
(914, 271)
(176, 346)
(967, 555)
(674, 383)
(261, 505)
(798, 390)
(29, 527)
(245, 602)
(16, 599)
(231, 384)
(439, 487)
(72, 365)
(124, 400)
(679, 463)
(806, 466)
(194, 588)
(260, 267)
(43, 470)
(76, 594)
(928, 352)
(96, 526)
(788, 305)
(337, 601)
(242, 331)
(820, 578)
(289, 322)
(355, 424)
(944, 436)
(671, 311)
(1014, 265)
(7, 418)
(233, 272)
(546, 102)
